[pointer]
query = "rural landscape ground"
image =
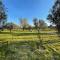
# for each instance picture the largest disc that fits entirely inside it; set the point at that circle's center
(19, 35)
(26, 45)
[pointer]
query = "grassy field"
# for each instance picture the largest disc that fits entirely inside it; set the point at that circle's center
(25, 45)
(27, 35)
(28, 50)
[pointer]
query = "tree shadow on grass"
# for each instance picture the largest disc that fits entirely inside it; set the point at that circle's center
(5, 32)
(1, 40)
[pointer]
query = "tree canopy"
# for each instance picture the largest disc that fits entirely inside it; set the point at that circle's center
(3, 15)
(39, 23)
(54, 15)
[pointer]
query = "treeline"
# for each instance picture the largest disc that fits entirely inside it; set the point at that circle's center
(53, 16)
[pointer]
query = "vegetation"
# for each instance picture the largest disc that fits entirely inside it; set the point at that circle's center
(20, 35)
(26, 42)
(28, 50)
(3, 15)
(54, 15)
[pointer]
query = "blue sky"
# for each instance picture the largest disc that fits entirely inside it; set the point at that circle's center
(27, 9)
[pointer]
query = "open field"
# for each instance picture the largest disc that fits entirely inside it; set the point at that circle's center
(27, 35)
(25, 45)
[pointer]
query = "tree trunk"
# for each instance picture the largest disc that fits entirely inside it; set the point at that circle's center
(58, 28)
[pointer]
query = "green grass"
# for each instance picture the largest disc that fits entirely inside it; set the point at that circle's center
(27, 50)
(23, 45)
(19, 35)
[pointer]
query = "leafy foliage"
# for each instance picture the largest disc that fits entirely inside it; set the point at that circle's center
(39, 24)
(54, 15)
(3, 15)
